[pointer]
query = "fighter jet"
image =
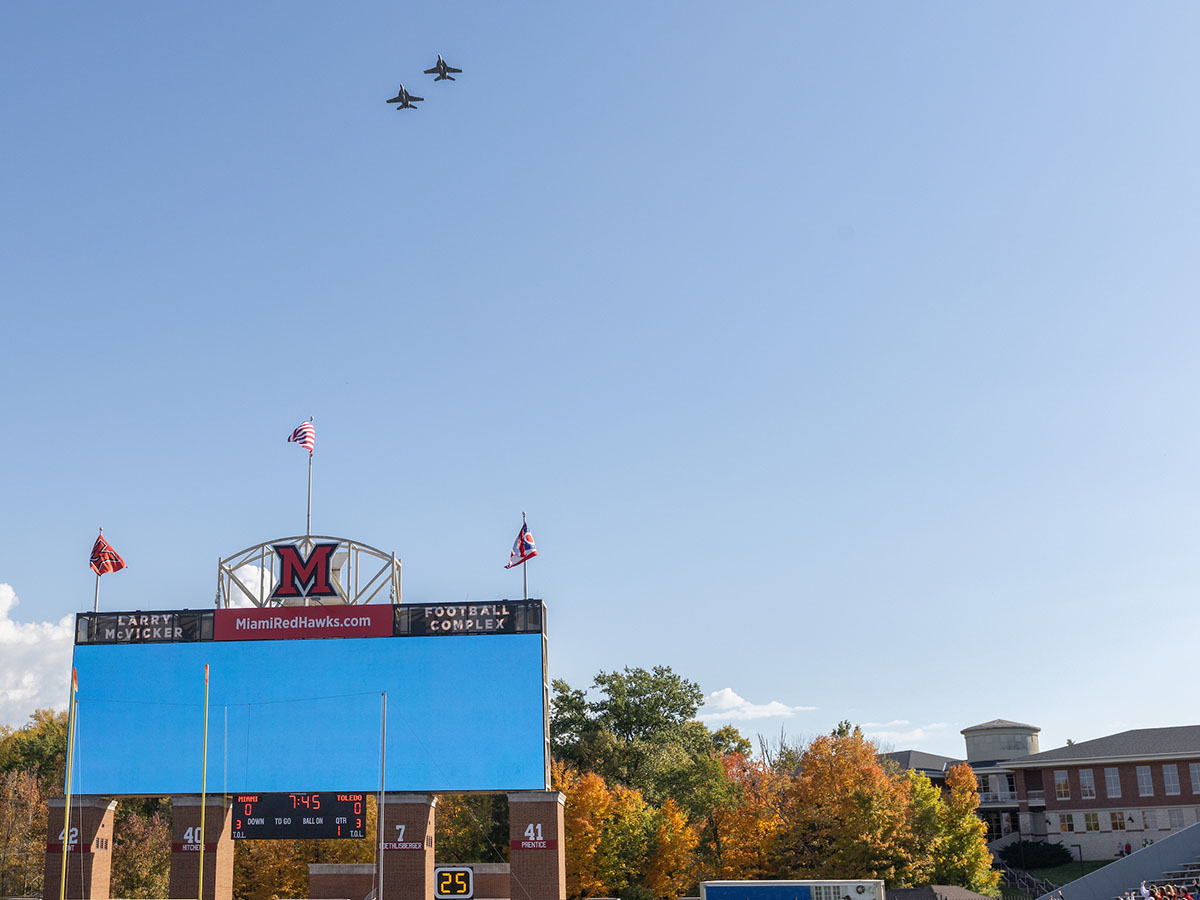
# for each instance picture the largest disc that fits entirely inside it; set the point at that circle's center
(442, 70)
(405, 99)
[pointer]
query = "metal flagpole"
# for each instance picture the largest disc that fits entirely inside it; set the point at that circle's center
(66, 834)
(96, 602)
(524, 565)
(203, 787)
(382, 769)
(308, 522)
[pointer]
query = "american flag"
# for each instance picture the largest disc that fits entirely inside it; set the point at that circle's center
(305, 435)
(104, 558)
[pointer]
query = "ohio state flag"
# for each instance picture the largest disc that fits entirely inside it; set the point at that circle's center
(523, 549)
(104, 558)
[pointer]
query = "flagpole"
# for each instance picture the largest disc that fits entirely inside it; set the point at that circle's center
(203, 787)
(308, 521)
(66, 833)
(380, 806)
(525, 565)
(96, 601)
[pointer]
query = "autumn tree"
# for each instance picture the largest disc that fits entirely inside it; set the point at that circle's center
(671, 865)
(22, 834)
(743, 825)
(924, 828)
(963, 857)
(141, 862)
(611, 836)
(585, 813)
(846, 815)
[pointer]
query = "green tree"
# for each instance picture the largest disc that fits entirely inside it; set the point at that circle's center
(641, 732)
(963, 857)
(40, 747)
(472, 828)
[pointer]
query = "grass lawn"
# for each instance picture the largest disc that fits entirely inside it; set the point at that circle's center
(1070, 871)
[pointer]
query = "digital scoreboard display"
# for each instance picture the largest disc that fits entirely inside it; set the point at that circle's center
(321, 816)
(454, 883)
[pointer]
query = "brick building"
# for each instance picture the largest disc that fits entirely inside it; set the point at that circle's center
(1094, 796)
(1128, 788)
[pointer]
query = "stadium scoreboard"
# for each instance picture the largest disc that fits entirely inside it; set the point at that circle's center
(289, 816)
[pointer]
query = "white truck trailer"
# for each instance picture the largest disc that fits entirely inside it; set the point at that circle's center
(856, 889)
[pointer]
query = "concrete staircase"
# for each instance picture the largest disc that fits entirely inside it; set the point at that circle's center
(1173, 859)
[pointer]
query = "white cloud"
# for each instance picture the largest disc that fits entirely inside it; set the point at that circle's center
(726, 706)
(902, 733)
(259, 580)
(35, 662)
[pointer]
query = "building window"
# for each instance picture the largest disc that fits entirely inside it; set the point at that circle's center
(1087, 785)
(1091, 821)
(1066, 822)
(1062, 787)
(1171, 778)
(1112, 782)
(1175, 818)
(827, 892)
(1117, 819)
(1150, 817)
(1145, 784)
(1194, 768)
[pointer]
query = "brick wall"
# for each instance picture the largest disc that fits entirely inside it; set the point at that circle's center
(89, 857)
(537, 851)
(185, 849)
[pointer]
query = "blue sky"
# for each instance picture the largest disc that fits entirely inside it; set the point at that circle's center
(841, 355)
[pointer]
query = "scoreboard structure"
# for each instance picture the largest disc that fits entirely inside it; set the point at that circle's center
(298, 698)
(280, 720)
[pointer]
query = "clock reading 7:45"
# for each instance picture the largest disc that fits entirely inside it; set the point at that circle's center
(453, 883)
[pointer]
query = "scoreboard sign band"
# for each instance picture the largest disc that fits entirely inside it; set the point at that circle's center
(287, 623)
(460, 619)
(304, 622)
(157, 626)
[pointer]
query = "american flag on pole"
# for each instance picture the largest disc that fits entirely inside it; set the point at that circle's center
(104, 558)
(305, 435)
(523, 549)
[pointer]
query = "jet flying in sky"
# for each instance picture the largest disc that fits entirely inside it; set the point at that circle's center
(442, 70)
(405, 99)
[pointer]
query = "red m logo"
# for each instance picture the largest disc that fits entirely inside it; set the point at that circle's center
(305, 577)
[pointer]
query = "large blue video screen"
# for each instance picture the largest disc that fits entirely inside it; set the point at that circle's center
(463, 714)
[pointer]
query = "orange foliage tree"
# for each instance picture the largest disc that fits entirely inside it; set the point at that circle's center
(846, 815)
(744, 824)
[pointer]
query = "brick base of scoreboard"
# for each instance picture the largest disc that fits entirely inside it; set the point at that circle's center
(536, 845)
(186, 850)
(89, 855)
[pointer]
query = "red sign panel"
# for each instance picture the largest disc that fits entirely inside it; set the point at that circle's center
(403, 845)
(289, 623)
(534, 845)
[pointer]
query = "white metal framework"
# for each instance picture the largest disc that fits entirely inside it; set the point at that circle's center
(359, 574)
